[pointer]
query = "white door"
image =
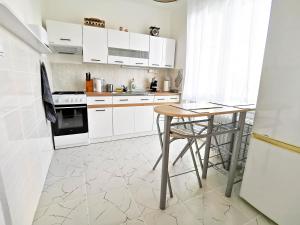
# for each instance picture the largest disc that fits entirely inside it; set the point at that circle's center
(60, 33)
(100, 122)
(155, 54)
(139, 42)
(143, 118)
(94, 44)
(123, 120)
(118, 39)
(168, 53)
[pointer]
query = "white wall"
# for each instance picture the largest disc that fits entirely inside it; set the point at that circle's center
(178, 31)
(29, 11)
(136, 15)
(26, 144)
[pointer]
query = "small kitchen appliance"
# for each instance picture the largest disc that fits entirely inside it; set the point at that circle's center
(153, 85)
(109, 88)
(99, 84)
(167, 85)
(71, 126)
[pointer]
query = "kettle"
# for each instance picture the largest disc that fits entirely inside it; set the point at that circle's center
(99, 84)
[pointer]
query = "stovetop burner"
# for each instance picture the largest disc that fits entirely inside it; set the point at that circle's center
(68, 93)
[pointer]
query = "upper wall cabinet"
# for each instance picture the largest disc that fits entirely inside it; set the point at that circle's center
(118, 39)
(139, 42)
(139, 49)
(94, 44)
(168, 53)
(162, 52)
(156, 54)
(65, 34)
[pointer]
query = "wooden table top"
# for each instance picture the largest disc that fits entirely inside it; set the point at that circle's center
(197, 110)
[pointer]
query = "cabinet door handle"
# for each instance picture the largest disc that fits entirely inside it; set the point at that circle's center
(145, 99)
(123, 100)
(100, 110)
(168, 65)
(96, 60)
(174, 98)
(160, 99)
(153, 64)
(65, 39)
(99, 100)
(139, 63)
(68, 53)
(117, 61)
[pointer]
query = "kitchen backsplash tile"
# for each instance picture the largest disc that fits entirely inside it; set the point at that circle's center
(71, 76)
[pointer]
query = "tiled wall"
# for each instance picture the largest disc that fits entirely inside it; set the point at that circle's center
(25, 139)
(71, 76)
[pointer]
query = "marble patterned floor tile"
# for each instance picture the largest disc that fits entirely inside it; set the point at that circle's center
(138, 221)
(63, 190)
(186, 186)
(98, 182)
(238, 202)
(113, 183)
(67, 213)
(173, 215)
(212, 209)
(112, 208)
(147, 197)
(260, 220)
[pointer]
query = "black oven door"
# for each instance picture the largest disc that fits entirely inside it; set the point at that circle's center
(71, 119)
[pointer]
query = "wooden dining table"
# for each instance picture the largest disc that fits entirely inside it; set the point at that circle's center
(209, 111)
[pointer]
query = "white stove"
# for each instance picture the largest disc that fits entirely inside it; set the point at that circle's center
(71, 127)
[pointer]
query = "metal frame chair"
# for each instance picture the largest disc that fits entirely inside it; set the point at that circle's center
(188, 146)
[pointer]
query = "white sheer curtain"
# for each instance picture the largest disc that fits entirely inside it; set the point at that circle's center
(225, 48)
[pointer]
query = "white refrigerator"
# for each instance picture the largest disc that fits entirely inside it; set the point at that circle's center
(271, 180)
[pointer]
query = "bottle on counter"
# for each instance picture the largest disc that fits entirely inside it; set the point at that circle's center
(132, 85)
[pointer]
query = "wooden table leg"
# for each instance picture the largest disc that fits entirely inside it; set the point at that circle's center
(165, 162)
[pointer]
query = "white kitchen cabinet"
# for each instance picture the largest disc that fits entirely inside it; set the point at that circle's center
(123, 120)
(168, 53)
(162, 52)
(100, 122)
(138, 62)
(94, 44)
(118, 39)
(155, 53)
(143, 118)
(139, 42)
(119, 60)
(65, 34)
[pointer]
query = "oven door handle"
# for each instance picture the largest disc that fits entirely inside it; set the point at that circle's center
(71, 107)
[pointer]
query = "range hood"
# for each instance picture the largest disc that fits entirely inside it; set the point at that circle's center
(66, 49)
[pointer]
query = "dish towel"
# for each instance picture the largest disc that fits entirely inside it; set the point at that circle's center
(47, 96)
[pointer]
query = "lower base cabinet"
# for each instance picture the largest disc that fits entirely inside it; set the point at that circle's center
(100, 122)
(123, 121)
(143, 118)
